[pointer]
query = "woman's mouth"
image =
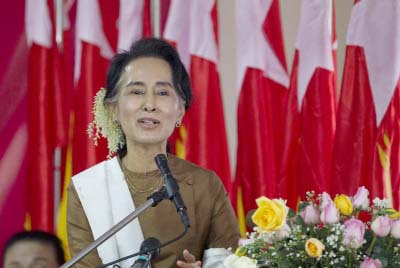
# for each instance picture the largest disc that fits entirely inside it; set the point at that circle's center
(148, 122)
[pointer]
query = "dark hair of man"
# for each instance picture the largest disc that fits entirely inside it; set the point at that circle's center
(149, 47)
(39, 237)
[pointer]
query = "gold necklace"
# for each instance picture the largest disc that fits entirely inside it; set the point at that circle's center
(135, 190)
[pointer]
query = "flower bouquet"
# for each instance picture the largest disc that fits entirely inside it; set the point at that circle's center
(324, 233)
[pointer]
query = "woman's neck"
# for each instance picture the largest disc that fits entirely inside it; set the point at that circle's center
(140, 158)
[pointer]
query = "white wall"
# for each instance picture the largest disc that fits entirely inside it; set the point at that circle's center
(290, 13)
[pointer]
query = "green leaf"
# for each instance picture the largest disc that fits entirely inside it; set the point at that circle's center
(300, 221)
(291, 213)
(302, 205)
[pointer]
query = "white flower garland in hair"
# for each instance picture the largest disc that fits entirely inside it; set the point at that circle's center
(105, 125)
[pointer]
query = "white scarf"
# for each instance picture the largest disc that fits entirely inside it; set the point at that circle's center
(106, 200)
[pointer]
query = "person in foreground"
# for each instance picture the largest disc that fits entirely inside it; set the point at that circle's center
(148, 91)
(33, 249)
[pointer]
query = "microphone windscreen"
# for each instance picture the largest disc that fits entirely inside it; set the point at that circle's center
(162, 164)
(150, 243)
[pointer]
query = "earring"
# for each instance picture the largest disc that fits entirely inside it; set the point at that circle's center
(178, 124)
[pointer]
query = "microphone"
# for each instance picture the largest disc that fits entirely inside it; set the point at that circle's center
(172, 188)
(144, 260)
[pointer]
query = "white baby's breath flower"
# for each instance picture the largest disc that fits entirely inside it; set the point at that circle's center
(104, 125)
(381, 203)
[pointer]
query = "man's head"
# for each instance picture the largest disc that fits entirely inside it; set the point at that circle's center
(33, 249)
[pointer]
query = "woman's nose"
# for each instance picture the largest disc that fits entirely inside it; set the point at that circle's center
(148, 103)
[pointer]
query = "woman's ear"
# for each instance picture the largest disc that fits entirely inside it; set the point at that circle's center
(182, 110)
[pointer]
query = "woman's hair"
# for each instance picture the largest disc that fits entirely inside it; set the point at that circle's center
(149, 47)
(39, 237)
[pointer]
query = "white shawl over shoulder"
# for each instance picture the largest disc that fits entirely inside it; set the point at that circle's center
(106, 200)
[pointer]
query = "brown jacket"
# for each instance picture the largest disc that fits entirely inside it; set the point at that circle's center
(213, 224)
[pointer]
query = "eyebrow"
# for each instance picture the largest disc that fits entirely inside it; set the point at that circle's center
(158, 83)
(164, 83)
(135, 83)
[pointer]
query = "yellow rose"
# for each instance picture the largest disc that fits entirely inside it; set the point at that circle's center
(271, 214)
(314, 247)
(343, 203)
(241, 251)
(393, 214)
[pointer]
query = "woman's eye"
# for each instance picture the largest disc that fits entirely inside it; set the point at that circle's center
(136, 92)
(163, 93)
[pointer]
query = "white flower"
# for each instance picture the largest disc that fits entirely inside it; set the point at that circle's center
(325, 200)
(234, 261)
(104, 125)
(381, 203)
(245, 262)
(381, 225)
(244, 242)
(283, 232)
(230, 260)
(310, 214)
(360, 199)
(395, 231)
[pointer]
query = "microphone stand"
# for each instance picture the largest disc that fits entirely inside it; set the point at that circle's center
(152, 201)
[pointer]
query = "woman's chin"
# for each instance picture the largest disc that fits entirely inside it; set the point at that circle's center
(150, 141)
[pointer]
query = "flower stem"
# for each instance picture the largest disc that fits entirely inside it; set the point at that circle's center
(371, 246)
(389, 245)
(357, 213)
(349, 259)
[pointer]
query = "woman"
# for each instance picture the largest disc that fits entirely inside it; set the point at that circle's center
(148, 92)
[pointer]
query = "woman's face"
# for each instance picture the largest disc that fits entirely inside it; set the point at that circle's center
(148, 106)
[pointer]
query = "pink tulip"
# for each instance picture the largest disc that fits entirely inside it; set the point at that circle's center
(330, 214)
(354, 233)
(325, 199)
(381, 225)
(395, 230)
(360, 199)
(371, 263)
(310, 214)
